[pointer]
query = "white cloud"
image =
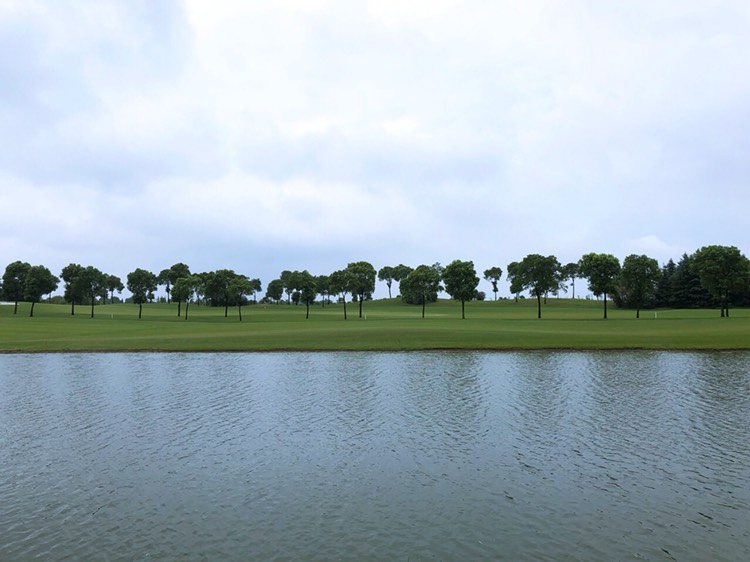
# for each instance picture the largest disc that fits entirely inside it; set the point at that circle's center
(654, 246)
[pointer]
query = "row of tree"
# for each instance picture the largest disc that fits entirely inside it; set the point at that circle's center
(712, 275)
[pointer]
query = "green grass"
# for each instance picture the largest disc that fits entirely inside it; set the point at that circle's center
(389, 325)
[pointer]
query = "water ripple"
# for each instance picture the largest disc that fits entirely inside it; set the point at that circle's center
(349, 456)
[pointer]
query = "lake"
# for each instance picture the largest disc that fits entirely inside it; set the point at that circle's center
(375, 456)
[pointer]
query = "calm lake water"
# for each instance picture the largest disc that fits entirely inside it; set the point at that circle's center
(375, 456)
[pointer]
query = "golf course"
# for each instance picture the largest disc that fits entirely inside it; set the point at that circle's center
(386, 325)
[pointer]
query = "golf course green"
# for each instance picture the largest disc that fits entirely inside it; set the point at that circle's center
(386, 325)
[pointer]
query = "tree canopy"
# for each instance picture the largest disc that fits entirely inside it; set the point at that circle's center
(538, 274)
(602, 271)
(39, 281)
(183, 291)
(421, 285)
(14, 282)
(493, 275)
(74, 291)
(639, 277)
(142, 284)
(461, 282)
(341, 282)
(722, 270)
(363, 281)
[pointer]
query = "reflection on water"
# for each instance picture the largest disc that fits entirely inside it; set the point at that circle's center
(352, 456)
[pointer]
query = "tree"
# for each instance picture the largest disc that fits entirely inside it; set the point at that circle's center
(515, 279)
(14, 282)
(363, 281)
(163, 279)
(680, 286)
(142, 284)
(305, 285)
(113, 283)
(73, 293)
(461, 281)
(92, 283)
(401, 272)
(240, 286)
(493, 275)
(168, 277)
(340, 282)
(421, 285)
(602, 271)
(39, 281)
(182, 291)
(722, 271)
(322, 286)
(255, 287)
(217, 288)
(201, 280)
(538, 274)
(275, 290)
(287, 282)
(665, 287)
(387, 274)
(639, 276)
(570, 271)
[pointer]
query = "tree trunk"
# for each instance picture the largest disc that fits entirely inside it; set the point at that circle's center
(239, 309)
(92, 307)
(31, 314)
(15, 307)
(539, 306)
(361, 298)
(424, 303)
(344, 307)
(73, 308)
(638, 311)
(307, 310)
(389, 290)
(179, 306)
(226, 309)
(187, 305)
(463, 316)
(605, 306)
(726, 302)
(140, 310)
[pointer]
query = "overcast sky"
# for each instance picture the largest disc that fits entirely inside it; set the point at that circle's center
(306, 134)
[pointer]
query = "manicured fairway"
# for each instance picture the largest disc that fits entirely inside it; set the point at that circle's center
(388, 325)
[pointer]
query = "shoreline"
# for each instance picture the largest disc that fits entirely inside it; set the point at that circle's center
(386, 350)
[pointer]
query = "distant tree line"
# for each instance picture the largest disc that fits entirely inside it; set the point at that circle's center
(713, 276)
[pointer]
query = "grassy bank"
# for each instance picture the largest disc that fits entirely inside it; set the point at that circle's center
(389, 325)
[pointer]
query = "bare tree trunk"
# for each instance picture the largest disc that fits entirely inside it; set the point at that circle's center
(539, 306)
(605, 306)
